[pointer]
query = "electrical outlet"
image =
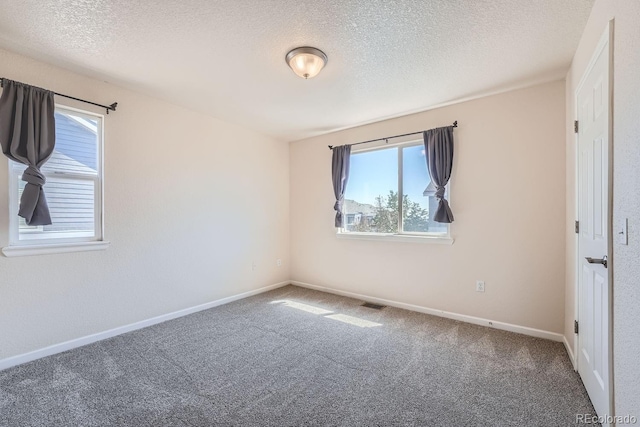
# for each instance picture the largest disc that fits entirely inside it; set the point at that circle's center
(279, 262)
(480, 286)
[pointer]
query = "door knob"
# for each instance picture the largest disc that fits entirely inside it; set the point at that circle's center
(602, 260)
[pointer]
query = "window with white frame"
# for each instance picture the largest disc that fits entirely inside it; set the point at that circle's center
(73, 187)
(390, 192)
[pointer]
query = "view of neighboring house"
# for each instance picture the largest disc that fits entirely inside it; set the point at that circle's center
(357, 214)
(70, 197)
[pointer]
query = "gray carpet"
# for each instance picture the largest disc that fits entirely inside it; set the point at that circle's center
(295, 357)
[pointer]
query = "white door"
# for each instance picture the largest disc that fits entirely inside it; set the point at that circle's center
(593, 108)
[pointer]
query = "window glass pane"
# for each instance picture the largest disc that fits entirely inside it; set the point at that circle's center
(419, 201)
(415, 182)
(371, 198)
(76, 147)
(72, 208)
(72, 178)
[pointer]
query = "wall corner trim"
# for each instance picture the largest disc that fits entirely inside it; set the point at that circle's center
(538, 333)
(572, 357)
(89, 339)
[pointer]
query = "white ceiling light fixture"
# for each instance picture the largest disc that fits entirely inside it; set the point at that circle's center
(306, 61)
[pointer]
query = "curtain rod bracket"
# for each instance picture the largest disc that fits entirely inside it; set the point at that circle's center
(112, 107)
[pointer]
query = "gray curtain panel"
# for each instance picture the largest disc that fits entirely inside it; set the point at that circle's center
(340, 176)
(28, 135)
(438, 148)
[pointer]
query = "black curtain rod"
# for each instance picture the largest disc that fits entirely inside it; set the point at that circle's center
(455, 125)
(111, 107)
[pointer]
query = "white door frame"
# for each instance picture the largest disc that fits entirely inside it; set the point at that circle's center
(607, 37)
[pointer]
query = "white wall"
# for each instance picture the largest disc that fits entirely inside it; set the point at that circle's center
(190, 203)
(626, 189)
(508, 197)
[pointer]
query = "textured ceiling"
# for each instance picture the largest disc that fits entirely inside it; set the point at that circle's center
(226, 57)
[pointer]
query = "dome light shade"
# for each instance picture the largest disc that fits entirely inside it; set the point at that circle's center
(306, 62)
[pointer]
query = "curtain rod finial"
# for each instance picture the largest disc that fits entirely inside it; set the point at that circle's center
(455, 124)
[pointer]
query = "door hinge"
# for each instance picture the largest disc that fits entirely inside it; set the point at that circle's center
(575, 126)
(575, 326)
(577, 227)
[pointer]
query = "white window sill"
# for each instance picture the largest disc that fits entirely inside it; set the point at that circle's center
(54, 248)
(438, 240)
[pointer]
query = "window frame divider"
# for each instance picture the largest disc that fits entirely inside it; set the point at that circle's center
(400, 188)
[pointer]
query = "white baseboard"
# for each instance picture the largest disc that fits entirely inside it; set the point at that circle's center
(79, 342)
(449, 315)
(572, 356)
